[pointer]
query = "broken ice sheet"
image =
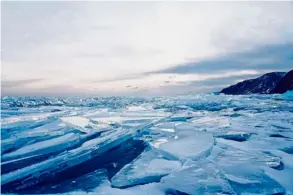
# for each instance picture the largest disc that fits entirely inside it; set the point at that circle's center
(189, 145)
(14, 143)
(266, 118)
(200, 177)
(46, 128)
(250, 179)
(90, 149)
(84, 124)
(50, 146)
(211, 122)
(234, 156)
(148, 167)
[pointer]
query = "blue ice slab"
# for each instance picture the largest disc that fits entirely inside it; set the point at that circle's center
(96, 147)
(148, 167)
(233, 156)
(198, 177)
(42, 150)
(188, 145)
(250, 179)
(11, 127)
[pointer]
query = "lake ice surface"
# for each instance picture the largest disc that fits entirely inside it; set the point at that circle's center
(191, 144)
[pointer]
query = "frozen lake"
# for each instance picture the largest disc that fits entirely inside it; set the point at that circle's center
(193, 144)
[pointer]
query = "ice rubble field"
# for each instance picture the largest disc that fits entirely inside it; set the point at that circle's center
(193, 144)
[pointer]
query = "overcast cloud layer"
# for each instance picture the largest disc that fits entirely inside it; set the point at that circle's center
(141, 48)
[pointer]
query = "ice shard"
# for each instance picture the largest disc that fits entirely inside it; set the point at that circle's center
(35, 173)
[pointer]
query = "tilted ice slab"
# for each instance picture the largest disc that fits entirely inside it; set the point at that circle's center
(199, 177)
(189, 145)
(21, 120)
(15, 143)
(55, 125)
(55, 145)
(11, 130)
(39, 151)
(250, 179)
(48, 130)
(90, 149)
(39, 134)
(42, 147)
(35, 173)
(148, 167)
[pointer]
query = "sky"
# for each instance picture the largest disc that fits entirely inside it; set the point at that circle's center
(140, 48)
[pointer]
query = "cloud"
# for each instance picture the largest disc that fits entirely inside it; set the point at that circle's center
(120, 78)
(18, 83)
(265, 58)
(96, 46)
(53, 90)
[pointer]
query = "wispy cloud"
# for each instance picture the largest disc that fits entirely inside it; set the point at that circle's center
(18, 83)
(120, 78)
(265, 58)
